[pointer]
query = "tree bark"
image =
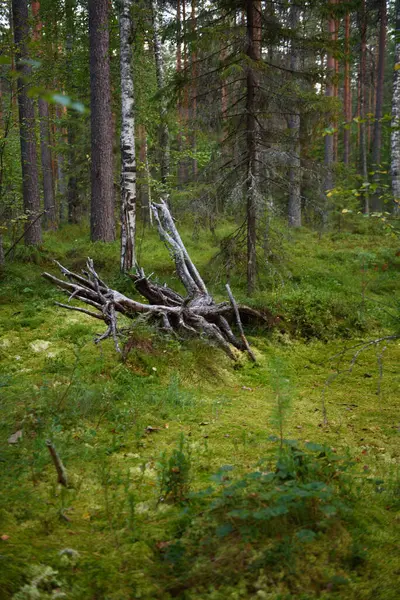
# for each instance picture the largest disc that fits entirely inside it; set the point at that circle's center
(376, 200)
(395, 133)
(102, 224)
(50, 218)
(347, 93)
(128, 154)
(253, 52)
(164, 131)
(294, 209)
(329, 93)
(30, 179)
(194, 90)
(72, 185)
(363, 127)
(144, 186)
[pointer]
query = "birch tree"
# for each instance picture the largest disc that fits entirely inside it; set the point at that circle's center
(164, 131)
(128, 156)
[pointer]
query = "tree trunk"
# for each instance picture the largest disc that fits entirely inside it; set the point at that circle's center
(72, 186)
(144, 184)
(50, 217)
(347, 93)
(102, 189)
(30, 179)
(329, 93)
(164, 131)
(47, 171)
(128, 155)
(194, 90)
(253, 52)
(395, 134)
(294, 209)
(376, 200)
(363, 127)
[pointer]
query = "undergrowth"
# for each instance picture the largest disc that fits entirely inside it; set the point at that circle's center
(177, 488)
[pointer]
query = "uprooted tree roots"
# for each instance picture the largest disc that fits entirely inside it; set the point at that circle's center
(197, 314)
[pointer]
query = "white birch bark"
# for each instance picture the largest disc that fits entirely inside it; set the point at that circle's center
(395, 135)
(164, 131)
(128, 156)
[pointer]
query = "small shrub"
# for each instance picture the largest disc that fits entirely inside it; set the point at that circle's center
(263, 519)
(174, 473)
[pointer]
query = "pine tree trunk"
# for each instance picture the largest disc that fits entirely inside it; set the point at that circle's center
(72, 186)
(128, 155)
(376, 200)
(102, 224)
(347, 93)
(363, 127)
(253, 52)
(30, 179)
(50, 218)
(47, 171)
(395, 134)
(294, 208)
(329, 92)
(194, 91)
(164, 131)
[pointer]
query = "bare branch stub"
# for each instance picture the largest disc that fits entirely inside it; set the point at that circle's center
(197, 314)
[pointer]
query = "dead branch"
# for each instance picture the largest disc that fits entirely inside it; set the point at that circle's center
(197, 314)
(61, 471)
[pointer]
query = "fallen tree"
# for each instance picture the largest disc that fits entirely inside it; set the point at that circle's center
(197, 314)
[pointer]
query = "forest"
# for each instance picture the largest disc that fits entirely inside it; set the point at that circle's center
(199, 299)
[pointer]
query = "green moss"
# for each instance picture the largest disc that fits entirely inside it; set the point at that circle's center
(55, 383)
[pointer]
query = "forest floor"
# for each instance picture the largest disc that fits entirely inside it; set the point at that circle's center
(185, 477)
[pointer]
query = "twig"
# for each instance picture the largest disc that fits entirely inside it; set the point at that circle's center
(61, 471)
(26, 229)
(239, 323)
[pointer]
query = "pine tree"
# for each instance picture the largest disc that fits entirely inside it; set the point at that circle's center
(31, 198)
(102, 221)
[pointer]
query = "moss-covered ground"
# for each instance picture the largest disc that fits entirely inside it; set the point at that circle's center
(141, 440)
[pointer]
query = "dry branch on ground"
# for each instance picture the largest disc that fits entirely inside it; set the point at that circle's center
(197, 314)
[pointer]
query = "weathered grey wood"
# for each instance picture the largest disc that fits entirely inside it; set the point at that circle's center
(197, 314)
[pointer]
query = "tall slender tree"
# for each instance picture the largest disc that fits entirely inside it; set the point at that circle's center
(253, 52)
(102, 223)
(294, 209)
(164, 130)
(72, 184)
(128, 155)
(376, 199)
(362, 92)
(395, 132)
(30, 179)
(50, 217)
(347, 92)
(329, 93)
